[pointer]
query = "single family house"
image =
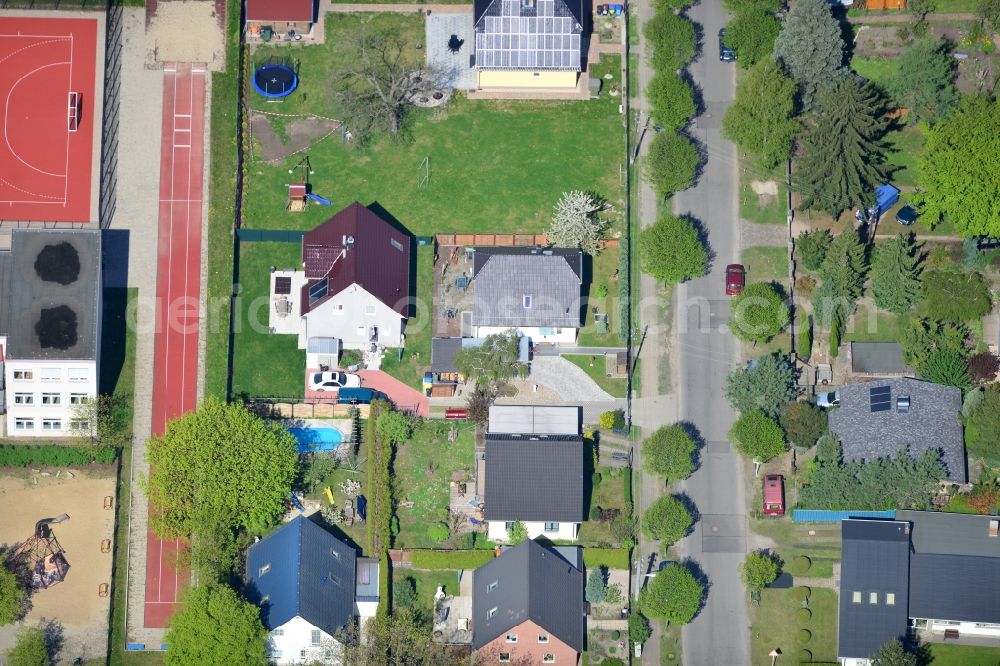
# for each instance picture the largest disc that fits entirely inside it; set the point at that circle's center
(536, 291)
(530, 43)
(533, 462)
(50, 331)
(309, 585)
(877, 419)
(281, 16)
(528, 606)
(927, 573)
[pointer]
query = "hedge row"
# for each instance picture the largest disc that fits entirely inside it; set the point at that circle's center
(450, 559)
(612, 558)
(379, 484)
(55, 455)
(384, 591)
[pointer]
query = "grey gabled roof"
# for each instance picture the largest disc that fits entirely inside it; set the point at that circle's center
(529, 34)
(955, 587)
(874, 559)
(25, 294)
(533, 583)
(878, 359)
(534, 478)
(551, 279)
(932, 422)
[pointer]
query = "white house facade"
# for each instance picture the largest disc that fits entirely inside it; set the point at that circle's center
(48, 398)
(357, 318)
(499, 530)
(300, 642)
(537, 334)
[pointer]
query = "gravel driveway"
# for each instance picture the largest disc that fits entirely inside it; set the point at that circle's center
(566, 380)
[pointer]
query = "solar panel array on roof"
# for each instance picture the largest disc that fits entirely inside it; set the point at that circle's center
(282, 285)
(318, 290)
(881, 398)
(516, 35)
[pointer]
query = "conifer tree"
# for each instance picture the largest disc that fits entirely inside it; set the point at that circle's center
(844, 150)
(896, 274)
(810, 47)
(845, 266)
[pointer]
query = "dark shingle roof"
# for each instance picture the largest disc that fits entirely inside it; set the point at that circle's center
(311, 575)
(937, 533)
(24, 294)
(874, 559)
(529, 34)
(533, 583)
(550, 279)
(444, 351)
(378, 259)
(955, 587)
(932, 422)
(878, 358)
(534, 478)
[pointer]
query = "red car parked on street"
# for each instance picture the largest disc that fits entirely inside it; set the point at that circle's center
(736, 277)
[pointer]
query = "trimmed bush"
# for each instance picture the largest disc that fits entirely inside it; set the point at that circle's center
(805, 656)
(55, 455)
(803, 615)
(799, 566)
(805, 636)
(615, 635)
(801, 593)
(450, 559)
(612, 558)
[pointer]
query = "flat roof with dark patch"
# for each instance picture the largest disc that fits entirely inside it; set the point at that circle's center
(51, 296)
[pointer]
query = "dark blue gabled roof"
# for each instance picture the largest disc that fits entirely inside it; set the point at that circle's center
(303, 570)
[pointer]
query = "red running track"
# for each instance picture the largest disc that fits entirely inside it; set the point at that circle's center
(178, 288)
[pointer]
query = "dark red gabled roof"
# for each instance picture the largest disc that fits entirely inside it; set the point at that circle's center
(378, 259)
(280, 10)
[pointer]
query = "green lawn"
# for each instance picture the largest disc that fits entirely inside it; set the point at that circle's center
(949, 654)
(594, 367)
(670, 645)
(775, 624)
(221, 208)
(882, 327)
(264, 365)
(610, 493)
(601, 275)
(427, 583)
(766, 264)
(906, 145)
(876, 69)
(422, 471)
(772, 209)
(495, 166)
(793, 540)
(409, 366)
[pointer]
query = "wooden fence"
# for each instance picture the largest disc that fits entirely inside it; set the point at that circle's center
(503, 240)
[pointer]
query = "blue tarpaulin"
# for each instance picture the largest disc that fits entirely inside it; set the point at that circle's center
(886, 196)
(827, 516)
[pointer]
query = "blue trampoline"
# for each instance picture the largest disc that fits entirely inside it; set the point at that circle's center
(274, 80)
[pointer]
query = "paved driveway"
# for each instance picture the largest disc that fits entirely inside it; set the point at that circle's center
(404, 397)
(567, 380)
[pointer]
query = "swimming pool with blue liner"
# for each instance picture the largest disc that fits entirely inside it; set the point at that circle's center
(317, 439)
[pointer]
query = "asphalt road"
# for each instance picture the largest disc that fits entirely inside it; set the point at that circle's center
(705, 353)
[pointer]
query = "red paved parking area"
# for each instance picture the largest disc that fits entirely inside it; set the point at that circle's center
(46, 118)
(403, 396)
(178, 287)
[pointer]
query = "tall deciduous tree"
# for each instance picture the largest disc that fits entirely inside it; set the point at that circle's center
(496, 361)
(810, 46)
(671, 163)
(672, 38)
(752, 33)
(215, 626)
(959, 167)
(759, 313)
(759, 569)
(667, 453)
(673, 594)
(923, 81)
(844, 154)
(768, 386)
(803, 423)
(672, 99)
(896, 274)
(576, 222)
(761, 119)
(671, 250)
(758, 436)
(666, 520)
(218, 469)
(30, 649)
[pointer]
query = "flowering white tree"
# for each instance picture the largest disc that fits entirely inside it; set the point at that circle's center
(576, 222)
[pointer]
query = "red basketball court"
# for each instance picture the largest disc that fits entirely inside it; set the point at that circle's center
(46, 118)
(178, 287)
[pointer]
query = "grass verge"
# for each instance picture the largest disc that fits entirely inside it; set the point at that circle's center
(766, 264)
(594, 367)
(768, 207)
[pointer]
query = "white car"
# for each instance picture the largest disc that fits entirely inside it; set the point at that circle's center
(828, 399)
(332, 381)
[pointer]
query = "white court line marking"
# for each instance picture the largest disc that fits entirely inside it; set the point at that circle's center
(6, 118)
(55, 200)
(66, 166)
(31, 46)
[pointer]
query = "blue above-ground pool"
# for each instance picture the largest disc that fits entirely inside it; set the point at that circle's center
(275, 80)
(317, 439)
